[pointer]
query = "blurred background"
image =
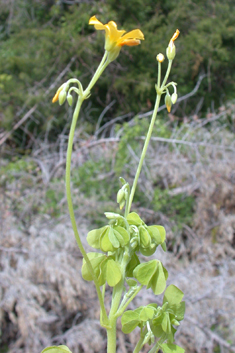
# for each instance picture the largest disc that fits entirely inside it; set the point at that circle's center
(187, 184)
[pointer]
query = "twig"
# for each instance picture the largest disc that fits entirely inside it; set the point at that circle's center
(213, 335)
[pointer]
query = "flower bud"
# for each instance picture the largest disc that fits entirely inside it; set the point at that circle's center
(168, 102)
(70, 99)
(120, 195)
(174, 98)
(62, 97)
(160, 58)
(170, 51)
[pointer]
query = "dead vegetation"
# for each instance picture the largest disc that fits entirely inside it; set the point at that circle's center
(43, 298)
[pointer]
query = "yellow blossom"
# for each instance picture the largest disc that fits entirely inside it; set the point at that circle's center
(170, 52)
(115, 39)
(56, 96)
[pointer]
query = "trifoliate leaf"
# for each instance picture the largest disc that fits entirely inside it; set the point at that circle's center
(113, 273)
(130, 320)
(171, 348)
(173, 295)
(133, 263)
(105, 243)
(145, 271)
(146, 314)
(145, 239)
(155, 234)
(93, 237)
(125, 237)
(96, 259)
(158, 281)
(134, 219)
(113, 239)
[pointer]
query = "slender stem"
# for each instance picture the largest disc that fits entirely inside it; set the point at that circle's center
(71, 210)
(159, 74)
(167, 74)
(146, 143)
(140, 343)
(97, 74)
(123, 306)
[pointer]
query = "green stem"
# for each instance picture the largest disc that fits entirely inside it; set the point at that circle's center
(167, 74)
(146, 143)
(71, 210)
(102, 66)
(140, 343)
(123, 306)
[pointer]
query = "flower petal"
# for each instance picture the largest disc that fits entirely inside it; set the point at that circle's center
(135, 34)
(56, 96)
(114, 33)
(129, 42)
(98, 25)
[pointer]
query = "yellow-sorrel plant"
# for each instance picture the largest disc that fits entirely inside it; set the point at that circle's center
(115, 261)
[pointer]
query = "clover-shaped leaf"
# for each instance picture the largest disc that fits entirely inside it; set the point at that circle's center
(134, 219)
(146, 313)
(93, 237)
(145, 238)
(173, 296)
(105, 243)
(152, 274)
(130, 320)
(56, 349)
(96, 259)
(133, 263)
(157, 233)
(113, 273)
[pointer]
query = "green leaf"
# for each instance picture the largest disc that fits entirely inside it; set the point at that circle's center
(133, 263)
(124, 236)
(173, 295)
(130, 320)
(146, 314)
(145, 239)
(105, 244)
(113, 239)
(163, 245)
(131, 282)
(178, 310)
(155, 234)
(166, 324)
(93, 237)
(145, 271)
(113, 273)
(134, 219)
(56, 349)
(95, 259)
(158, 281)
(171, 348)
(149, 251)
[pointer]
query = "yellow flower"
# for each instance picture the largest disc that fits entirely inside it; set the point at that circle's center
(56, 96)
(115, 39)
(170, 52)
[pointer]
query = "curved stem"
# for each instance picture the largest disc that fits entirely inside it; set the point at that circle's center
(140, 343)
(71, 210)
(167, 74)
(123, 306)
(146, 143)
(102, 66)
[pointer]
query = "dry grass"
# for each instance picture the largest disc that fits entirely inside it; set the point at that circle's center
(43, 298)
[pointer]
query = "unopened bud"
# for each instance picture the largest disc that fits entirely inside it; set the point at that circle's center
(120, 195)
(168, 102)
(62, 97)
(174, 98)
(70, 99)
(160, 58)
(170, 51)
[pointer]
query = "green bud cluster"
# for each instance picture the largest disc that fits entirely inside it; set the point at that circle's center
(157, 320)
